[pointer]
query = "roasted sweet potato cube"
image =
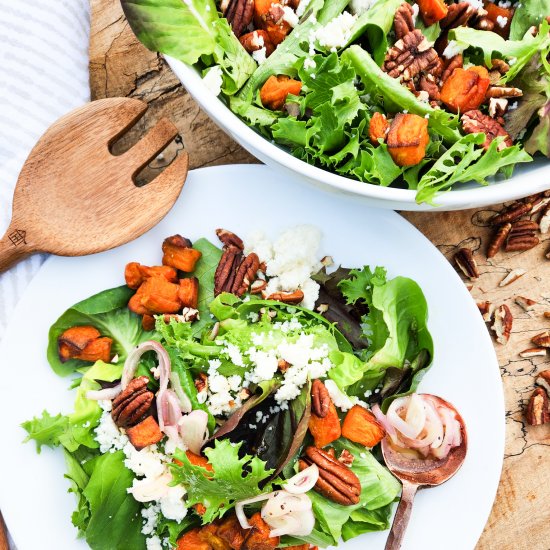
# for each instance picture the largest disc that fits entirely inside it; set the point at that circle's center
(148, 322)
(77, 338)
(159, 295)
(193, 541)
(135, 304)
(465, 89)
(97, 350)
(179, 254)
(146, 433)
(407, 139)
(361, 426)
(209, 533)
(500, 17)
(325, 430)
(258, 537)
(268, 15)
(300, 547)
(199, 460)
(256, 40)
(432, 11)
(378, 128)
(135, 273)
(189, 292)
(231, 531)
(276, 89)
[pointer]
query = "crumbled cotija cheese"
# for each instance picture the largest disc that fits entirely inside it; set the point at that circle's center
(453, 48)
(290, 261)
(340, 399)
(477, 4)
(172, 505)
(336, 33)
(290, 16)
(150, 515)
(213, 80)
(108, 435)
(153, 543)
(301, 9)
(359, 7)
(260, 55)
(502, 21)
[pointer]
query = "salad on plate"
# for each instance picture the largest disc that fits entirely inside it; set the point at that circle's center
(420, 95)
(235, 398)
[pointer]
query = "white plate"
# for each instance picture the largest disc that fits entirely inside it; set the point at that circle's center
(527, 179)
(33, 492)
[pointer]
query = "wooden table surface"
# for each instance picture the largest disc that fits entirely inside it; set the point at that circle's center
(520, 519)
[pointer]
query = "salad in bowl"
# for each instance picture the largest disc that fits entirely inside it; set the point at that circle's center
(421, 97)
(235, 398)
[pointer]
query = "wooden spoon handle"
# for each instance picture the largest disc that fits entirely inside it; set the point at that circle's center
(401, 519)
(3, 536)
(13, 248)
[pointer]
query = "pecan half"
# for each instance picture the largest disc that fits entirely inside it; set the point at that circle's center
(503, 323)
(458, 15)
(283, 365)
(201, 382)
(544, 222)
(403, 21)
(225, 272)
(409, 56)
(293, 298)
(542, 339)
(320, 399)
(428, 84)
(533, 352)
(521, 243)
(486, 309)
(512, 213)
(474, 122)
(257, 286)
(464, 259)
(229, 239)
(537, 409)
(245, 274)
(239, 14)
(336, 481)
(131, 405)
(503, 92)
(498, 239)
(500, 65)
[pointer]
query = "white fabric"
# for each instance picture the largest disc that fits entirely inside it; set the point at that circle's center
(43, 75)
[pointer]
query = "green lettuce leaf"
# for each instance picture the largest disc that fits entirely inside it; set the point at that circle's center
(539, 140)
(190, 30)
(467, 161)
(394, 97)
(45, 430)
(107, 312)
(493, 45)
(379, 489)
(375, 24)
(529, 14)
(233, 478)
(115, 521)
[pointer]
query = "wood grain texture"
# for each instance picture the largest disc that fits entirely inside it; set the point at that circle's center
(72, 172)
(519, 520)
(3, 536)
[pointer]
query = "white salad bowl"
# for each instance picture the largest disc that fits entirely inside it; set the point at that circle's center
(526, 180)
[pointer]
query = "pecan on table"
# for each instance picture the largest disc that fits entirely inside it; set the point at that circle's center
(538, 412)
(458, 15)
(239, 14)
(403, 22)
(475, 121)
(246, 273)
(226, 270)
(132, 404)
(336, 481)
(464, 259)
(410, 56)
(320, 399)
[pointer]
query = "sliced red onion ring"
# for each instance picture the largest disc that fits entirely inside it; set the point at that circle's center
(169, 413)
(193, 429)
(381, 417)
(303, 481)
(284, 504)
(239, 508)
(395, 419)
(106, 394)
(132, 362)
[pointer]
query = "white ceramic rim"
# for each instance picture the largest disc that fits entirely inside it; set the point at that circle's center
(520, 185)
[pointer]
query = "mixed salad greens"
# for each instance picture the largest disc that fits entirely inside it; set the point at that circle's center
(313, 75)
(194, 408)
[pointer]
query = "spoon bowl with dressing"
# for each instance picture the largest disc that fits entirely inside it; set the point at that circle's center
(417, 472)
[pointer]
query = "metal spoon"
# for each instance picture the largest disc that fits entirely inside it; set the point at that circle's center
(418, 474)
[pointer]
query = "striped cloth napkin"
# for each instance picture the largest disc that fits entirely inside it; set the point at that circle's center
(43, 75)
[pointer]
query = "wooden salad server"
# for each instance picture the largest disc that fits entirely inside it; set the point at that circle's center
(3, 536)
(74, 197)
(418, 474)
